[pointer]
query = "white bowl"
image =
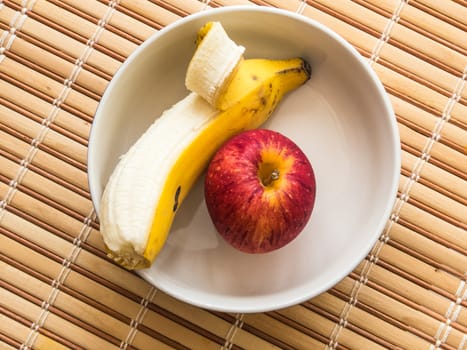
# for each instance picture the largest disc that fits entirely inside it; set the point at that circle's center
(341, 118)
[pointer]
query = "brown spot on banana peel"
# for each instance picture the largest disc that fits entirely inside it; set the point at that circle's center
(177, 194)
(307, 67)
(304, 67)
(274, 101)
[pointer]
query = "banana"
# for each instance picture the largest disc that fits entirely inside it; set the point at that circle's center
(214, 62)
(153, 178)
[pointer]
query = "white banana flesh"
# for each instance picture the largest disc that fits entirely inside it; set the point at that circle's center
(131, 194)
(213, 63)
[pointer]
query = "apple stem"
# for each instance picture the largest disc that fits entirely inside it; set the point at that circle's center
(272, 177)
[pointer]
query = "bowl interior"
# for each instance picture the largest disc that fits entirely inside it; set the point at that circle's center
(341, 119)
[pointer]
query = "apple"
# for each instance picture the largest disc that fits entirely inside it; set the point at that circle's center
(259, 190)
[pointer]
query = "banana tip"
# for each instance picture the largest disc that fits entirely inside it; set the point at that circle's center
(306, 67)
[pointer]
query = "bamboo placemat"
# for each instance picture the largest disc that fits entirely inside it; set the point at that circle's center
(58, 290)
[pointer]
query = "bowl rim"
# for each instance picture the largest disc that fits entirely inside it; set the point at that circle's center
(392, 132)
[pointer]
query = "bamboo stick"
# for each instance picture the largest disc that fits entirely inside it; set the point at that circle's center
(60, 246)
(391, 53)
(177, 332)
(47, 188)
(282, 332)
(14, 329)
(58, 65)
(56, 167)
(62, 43)
(41, 237)
(187, 6)
(61, 169)
(78, 311)
(99, 319)
(357, 13)
(29, 231)
(113, 300)
(222, 3)
(53, 323)
(82, 27)
(413, 65)
(438, 151)
(85, 286)
(399, 34)
(20, 333)
(424, 45)
(43, 109)
(459, 116)
(209, 321)
(323, 325)
(246, 340)
(434, 175)
(152, 12)
(419, 269)
(413, 90)
(436, 226)
(449, 9)
(409, 290)
(45, 213)
(292, 5)
(38, 290)
(4, 345)
(421, 293)
(70, 46)
(353, 33)
(104, 24)
(456, 211)
(408, 318)
(7, 15)
(143, 341)
(433, 26)
(53, 89)
(52, 139)
(75, 280)
(167, 6)
(121, 296)
(461, 315)
(422, 72)
(443, 256)
(17, 251)
(427, 121)
(423, 21)
(113, 274)
(95, 241)
(433, 76)
(119, 20)
(368, 322)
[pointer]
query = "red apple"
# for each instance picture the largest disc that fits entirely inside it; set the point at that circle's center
(260, 191)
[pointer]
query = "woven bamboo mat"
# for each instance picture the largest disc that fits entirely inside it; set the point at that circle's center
(58, 290)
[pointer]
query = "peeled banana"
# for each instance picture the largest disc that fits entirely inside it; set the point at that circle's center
(229, 94)
(213, 64)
